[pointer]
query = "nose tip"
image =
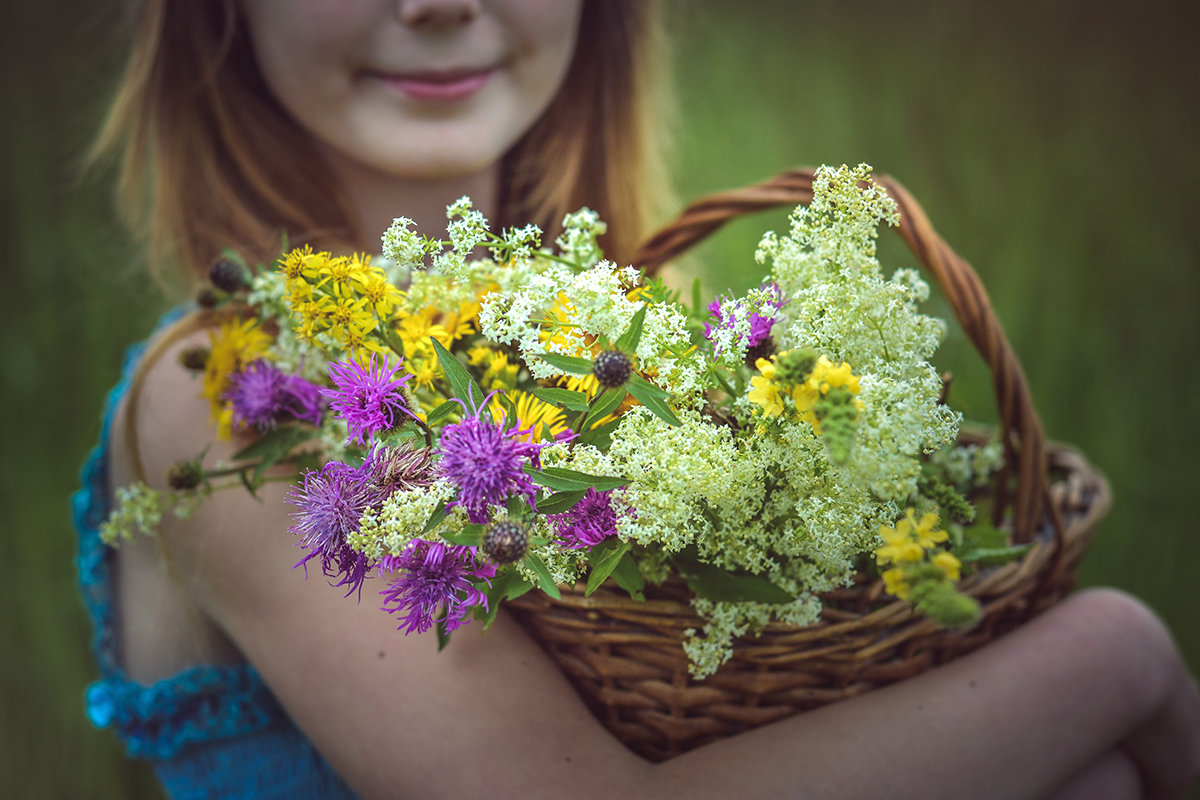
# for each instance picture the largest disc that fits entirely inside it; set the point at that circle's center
(438, 13)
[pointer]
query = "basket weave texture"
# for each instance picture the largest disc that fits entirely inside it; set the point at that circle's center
(625, 657)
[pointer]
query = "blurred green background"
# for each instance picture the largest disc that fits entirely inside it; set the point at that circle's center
(1053, 144)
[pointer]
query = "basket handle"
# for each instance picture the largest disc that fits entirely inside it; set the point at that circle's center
(1024, 441)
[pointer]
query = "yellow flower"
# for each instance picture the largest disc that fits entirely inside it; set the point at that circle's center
(900, 548)
(544, 419)
(416, 330)
(379, 293)
(948, 564)
(234, 345)
(497, 372)
(924, 531)
(826, 376)
(424, 370)
(347, 316)
(896, 583)
(764, 392)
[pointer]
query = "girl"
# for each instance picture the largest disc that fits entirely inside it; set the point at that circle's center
(236, 122)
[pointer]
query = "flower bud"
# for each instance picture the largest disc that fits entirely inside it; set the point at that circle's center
(185, 475)
(207, 297)
(506, 541)
(228, 276)
(612, 368)
(195, 358)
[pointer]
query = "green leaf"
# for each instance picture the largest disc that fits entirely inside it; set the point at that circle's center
(604, 563)
(633, 334)
(538, 567)
(647, 387)
(277, 443)
(568, 364)
(559, 502)
(696, 310)
(469, 536)
(443, 410)
(629, 577)
(443, 635)
(652, 400)
(601, 436)
(992, 556)
(603, 405)
(564, 398)
(250, 487)
(464, 386)
(568, 480)
(507, 585)
(435, 518)
(724, 586)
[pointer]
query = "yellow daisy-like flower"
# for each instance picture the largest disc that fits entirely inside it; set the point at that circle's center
(416, 330)
(234, 345)
(544, 420)
(424, 370)
(294, 263)
(347, 316)
(379, 293)
(461, 323)
(498, 373)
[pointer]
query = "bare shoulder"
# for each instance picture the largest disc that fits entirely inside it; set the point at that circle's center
(392, 714)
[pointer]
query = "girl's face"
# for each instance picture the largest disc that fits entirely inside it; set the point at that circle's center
(414, 89)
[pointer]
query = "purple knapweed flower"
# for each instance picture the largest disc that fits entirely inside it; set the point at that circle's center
(589, 522)
(728, 311)
(331, 501)
(304, 399)
(370, 398)
(486, 462)
(434, 576)
(262, 395)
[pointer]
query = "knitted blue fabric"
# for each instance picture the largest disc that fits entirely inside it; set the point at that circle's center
(210, 731)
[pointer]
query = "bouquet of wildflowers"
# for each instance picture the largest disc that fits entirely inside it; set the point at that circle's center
(470, 429)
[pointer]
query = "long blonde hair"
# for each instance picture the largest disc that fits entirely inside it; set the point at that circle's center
(207, 157)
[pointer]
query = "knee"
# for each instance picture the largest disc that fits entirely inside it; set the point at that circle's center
(1144, 658)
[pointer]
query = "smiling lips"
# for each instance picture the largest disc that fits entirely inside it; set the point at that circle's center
(439, 87)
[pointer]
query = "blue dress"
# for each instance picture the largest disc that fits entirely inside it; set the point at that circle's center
(209, 731)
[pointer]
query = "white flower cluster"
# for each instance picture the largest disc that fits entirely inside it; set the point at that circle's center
(578, 240)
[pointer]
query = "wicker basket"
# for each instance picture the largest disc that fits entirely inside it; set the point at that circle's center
(625, 657)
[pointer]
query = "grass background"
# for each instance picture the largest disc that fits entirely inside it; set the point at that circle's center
(1052, 144)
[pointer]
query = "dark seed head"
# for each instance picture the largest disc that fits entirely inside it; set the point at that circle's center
(612, 368)
(228, 276)
(194, 358)
(185, 475)
(506, 541)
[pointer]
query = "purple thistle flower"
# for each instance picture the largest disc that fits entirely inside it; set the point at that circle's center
(434, 576)
(727, 311)
(486, 463)
(589, 522)
(331, 502)
(368, 398)
(400, 466)
(263, 395)
(304, 399)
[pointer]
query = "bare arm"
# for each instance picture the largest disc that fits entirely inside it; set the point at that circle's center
(1094, 683)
